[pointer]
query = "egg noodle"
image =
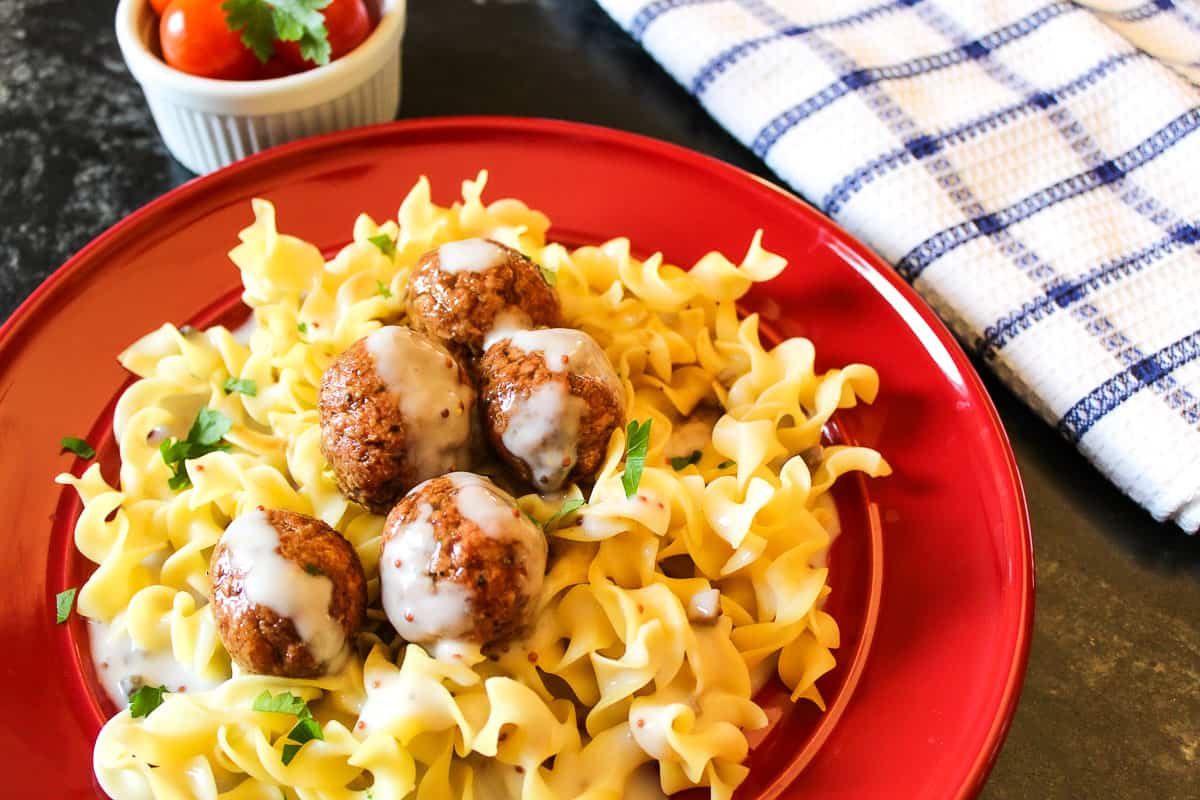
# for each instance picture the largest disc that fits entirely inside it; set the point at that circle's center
(614, 675)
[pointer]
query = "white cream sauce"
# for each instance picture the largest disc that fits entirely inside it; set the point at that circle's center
(650, 725)
(568, 350)
(543, 431)
(399, 698)
(437, 405)
(543, 427)
(507, 322)
(242, 333)
(469, 255)
(690, 435)
(704, 606)
(122, 668)
(283, 586)
(420, 609)
(489, 507)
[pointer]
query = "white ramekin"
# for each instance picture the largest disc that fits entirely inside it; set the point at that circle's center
(207, 124)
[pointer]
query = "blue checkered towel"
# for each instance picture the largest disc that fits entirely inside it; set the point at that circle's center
(1032, 167)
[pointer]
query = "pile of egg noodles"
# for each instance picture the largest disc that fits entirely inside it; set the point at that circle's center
(614, 678)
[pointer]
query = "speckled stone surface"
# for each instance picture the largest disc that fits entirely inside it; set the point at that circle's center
(1111, 707)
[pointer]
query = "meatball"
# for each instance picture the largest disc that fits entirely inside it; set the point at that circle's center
(460, 564)
(396, 408)
(288, 594)
(463, 290)
(551, 401)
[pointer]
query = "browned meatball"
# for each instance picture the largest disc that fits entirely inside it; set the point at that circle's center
(288, 594)
(551, 401)
(396, 408)
(463, 290)
(460, 564)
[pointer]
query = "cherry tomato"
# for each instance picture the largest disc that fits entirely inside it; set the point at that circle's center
(347, 23)
(160, 6)
(195, 39)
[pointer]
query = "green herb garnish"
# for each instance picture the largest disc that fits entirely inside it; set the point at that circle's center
(637, 441)
(62, 604)
(204, 437)
(725, 464)
(282, 703)
(313, 569)
(302, 327)
(565, 510)
(244, 386)
(682, 462)
(145, 700)
(78, 446)
(550, 276)
(384, 290)
(306, 728)
(384, 243)
(261, 23)
(289, 752)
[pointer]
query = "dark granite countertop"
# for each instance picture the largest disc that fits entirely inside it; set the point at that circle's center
(1111, 706)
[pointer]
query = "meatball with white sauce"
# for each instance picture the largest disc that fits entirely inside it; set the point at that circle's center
(551, 401)
(288, 594)
(460, 564)
(464, 290)
(396, 408)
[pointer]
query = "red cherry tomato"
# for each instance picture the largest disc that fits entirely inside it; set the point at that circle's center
(347, 23)
(160, 6)
(196, 40)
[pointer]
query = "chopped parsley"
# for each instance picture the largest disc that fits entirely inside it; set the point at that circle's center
(302, 327)
(637, 441)
(725, 464)
(282, 703)
(62, 604)
(261, 23)
(78, 446)
(384, 243)
(313, 569)
(306, 728)
(244, 386)
(384, 290)
(682, 462)
(565, 510)
(204, 437)
(145, 700)
(550, 276)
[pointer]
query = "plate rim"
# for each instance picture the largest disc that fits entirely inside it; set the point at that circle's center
(25, 313)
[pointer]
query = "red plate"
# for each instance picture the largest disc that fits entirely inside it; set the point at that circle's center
(933, 577)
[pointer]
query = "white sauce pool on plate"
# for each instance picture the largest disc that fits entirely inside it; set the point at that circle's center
(469, 255)
(121, 666)
(420, 609)
(436, 404)
(283, 586)
(543, 431)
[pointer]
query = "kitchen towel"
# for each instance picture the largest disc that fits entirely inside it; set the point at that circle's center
(1031, 167)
